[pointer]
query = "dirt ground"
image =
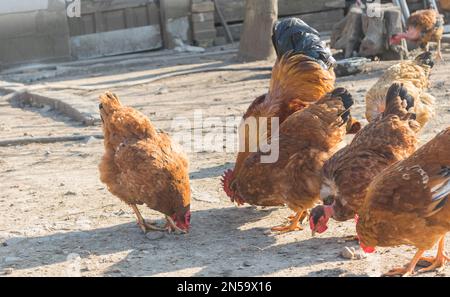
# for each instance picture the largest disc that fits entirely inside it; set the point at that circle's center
(58, 219)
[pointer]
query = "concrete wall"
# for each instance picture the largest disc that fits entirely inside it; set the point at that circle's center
(38, 31)
(33, 30)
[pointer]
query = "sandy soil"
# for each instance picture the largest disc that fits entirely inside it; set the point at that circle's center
(58, 219)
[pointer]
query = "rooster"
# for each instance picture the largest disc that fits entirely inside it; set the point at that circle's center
(408, 203)
(414, 75)
(302, 74)
(423, 26)
(306, 139)
(142, 166)
(348, 173)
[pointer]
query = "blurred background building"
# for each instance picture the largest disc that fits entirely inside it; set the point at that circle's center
(47, 30)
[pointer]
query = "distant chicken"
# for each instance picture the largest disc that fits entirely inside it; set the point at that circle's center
(302, 74)
(142, 166)
(348, 173)
(408, 203)
(306, 139)
(423, 26)
(414, 75)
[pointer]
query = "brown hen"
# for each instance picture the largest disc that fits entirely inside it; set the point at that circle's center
(306, 139)
(424, 26)
(142, 166)
(407, 203)
(347, 174)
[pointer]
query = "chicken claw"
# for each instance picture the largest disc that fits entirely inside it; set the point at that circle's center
(171, 226)
(401, 271)
(146, 227)
(294, 224)
(437, 262)
(408, 269)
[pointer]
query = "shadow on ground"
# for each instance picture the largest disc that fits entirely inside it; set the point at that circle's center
(219, 244)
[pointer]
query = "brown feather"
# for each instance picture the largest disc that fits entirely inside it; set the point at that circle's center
(399, 206)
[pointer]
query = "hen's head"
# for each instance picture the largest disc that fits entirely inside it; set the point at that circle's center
(396, 39)
(412, 34)
(366, 246)
(318, 218)
(183, 220)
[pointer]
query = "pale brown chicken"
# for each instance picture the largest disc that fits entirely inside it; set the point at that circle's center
(414, 75)
(306, 139)
(408, 204)
(348, 173)
(424, 26)
(142, 166)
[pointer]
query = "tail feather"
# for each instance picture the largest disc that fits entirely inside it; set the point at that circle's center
(440, 193)
(300, 80)
(396, 97)
(443, 189)
(425, 58)
(405, 96)
(347, 100)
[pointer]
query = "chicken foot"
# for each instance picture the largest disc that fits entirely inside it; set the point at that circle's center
(294, 223)
(439, 52)
(142, 223)
(170, 226)
(439, 261)
(409, 268)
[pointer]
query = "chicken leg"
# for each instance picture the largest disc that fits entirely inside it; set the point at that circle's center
(294, 223)
(409, 268)
(142, 223)
(439, 261)
(439, 52)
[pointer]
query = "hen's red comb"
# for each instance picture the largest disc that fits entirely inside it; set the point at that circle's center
(227, 177)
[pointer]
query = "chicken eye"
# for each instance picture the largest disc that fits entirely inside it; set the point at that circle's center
(100, 106)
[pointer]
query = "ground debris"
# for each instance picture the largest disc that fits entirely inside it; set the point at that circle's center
(7, 271)
(155, 235)
(352, 254)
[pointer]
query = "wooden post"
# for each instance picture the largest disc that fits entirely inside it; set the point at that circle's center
(256, 42)
(166, 41)
(224, 22)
